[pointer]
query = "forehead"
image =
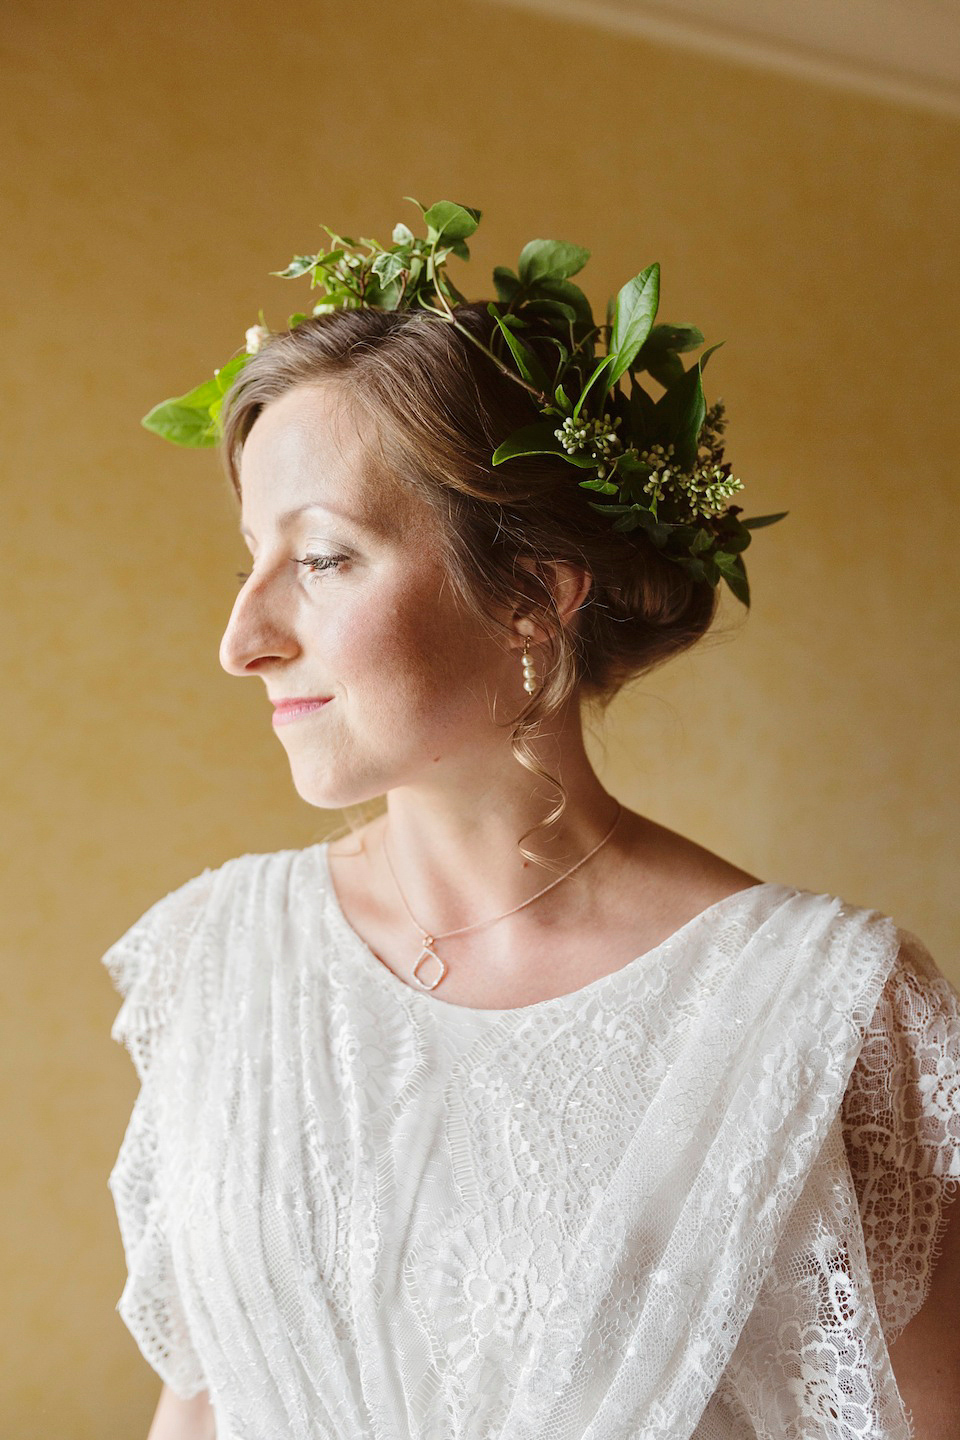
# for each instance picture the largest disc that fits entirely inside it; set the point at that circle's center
(306, 452)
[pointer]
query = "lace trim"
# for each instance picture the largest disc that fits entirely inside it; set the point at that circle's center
(901, 1119)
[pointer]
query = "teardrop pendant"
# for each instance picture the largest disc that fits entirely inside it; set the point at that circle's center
(427, 954)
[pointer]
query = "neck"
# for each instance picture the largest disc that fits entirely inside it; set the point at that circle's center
(453, 847)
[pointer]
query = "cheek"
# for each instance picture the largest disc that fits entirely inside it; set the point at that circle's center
(410, 649)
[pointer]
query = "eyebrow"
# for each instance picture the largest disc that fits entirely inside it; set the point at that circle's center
(289, 515)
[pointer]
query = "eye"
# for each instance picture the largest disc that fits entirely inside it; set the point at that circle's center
(318, 563)
(315, 563)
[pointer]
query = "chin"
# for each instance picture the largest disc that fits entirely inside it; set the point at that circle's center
(327, 792)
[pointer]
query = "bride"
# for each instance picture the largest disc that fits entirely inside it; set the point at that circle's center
(509, 1113)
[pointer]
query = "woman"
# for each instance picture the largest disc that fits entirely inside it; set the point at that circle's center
(502, 1117)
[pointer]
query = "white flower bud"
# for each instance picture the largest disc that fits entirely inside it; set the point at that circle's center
(255, 337)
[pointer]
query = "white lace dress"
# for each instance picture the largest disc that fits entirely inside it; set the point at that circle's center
(697, 1197)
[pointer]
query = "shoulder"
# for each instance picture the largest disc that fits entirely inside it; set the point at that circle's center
(179, 943)
(181, 909)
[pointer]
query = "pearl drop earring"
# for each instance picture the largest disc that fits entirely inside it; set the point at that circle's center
(530, 676)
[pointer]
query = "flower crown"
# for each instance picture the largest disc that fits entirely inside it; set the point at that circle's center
(660, 461)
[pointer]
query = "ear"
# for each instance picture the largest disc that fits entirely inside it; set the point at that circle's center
(569, 585)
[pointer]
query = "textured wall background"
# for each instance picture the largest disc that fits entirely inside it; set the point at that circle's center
(158, 162)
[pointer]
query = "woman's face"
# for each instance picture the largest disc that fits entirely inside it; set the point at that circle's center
(346, 602)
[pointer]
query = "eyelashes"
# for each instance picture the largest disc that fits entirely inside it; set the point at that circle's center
(315, 563)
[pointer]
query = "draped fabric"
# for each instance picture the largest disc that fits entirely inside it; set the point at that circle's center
(698, 1197)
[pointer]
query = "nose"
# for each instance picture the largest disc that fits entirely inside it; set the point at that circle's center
(257, 629)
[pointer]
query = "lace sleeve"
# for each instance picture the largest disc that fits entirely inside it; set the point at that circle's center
(901, 1122)
(146, 966)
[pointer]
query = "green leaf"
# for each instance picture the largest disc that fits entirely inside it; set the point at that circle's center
(182, 424)
(298, 266)
(758, 520)
(296, 319)
(643, 415)
(448, 221)
(388, 266)
(680, 412)
(566, 292)
(193, 419)
(550, 259)
(734, 573)
(670, 337)
(605, 487)
(666, 367)
(551, 308)
(384, 297)
(402, 234)
(527, 362)
(603, 365)
(633, 316)
(507, 284)
(334, 300)
(223, 378)
(694, 566)
(538, 439)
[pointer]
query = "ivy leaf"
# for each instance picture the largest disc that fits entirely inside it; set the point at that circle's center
(550, 259)
(693, 565)
(388, 266)
(298, 266)
(296, 319)
(384, 297)
(193, 419)
(732, 569)
(605, 487)
(402, 234)
(758, 520)
(449, 221)
(633, 317)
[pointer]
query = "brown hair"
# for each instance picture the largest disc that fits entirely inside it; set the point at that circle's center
(439, 408)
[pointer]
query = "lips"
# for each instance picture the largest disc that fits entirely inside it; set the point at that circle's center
(294, 701)
(289, 712)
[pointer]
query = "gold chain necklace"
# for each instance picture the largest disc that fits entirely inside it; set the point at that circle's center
(429, 953)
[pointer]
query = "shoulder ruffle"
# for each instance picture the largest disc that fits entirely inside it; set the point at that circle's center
(148, 967)
(901, 1121)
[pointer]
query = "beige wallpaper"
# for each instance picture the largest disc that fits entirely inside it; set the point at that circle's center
(158, 162)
